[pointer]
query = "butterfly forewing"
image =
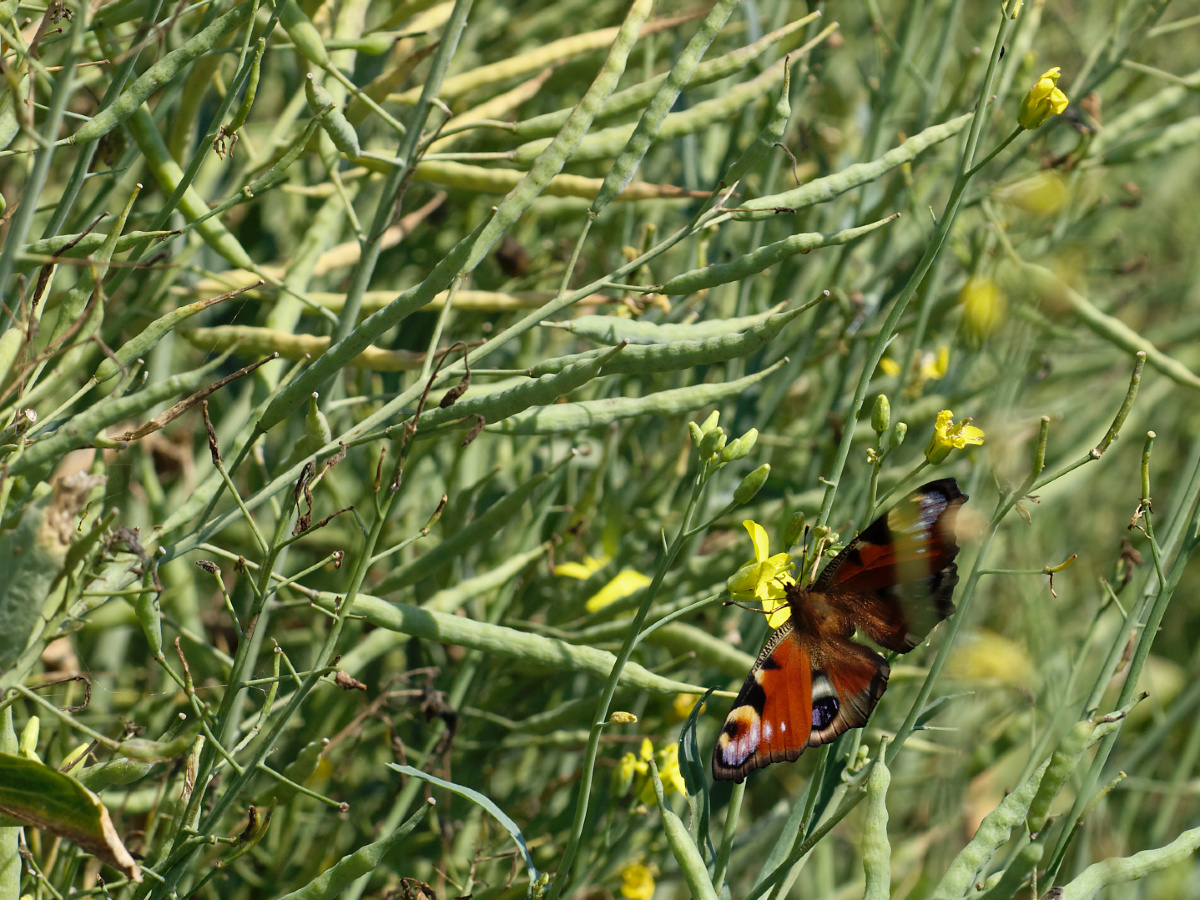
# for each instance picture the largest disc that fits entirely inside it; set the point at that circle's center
(770, 720)
(896, 580)
(812, 683)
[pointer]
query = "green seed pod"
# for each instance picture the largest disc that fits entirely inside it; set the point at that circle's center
(752, 484)
(691, 863)
(881, 414)
(333, 120)
(149, 614)
(303, 33)
(239, 118)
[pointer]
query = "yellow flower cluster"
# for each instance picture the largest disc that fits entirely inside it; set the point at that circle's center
(634, 771)
(765, 578)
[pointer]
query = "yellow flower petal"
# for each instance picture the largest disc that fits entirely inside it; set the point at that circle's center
(889, 366)
(584, 570)
(758, 537)
(777, 613)
(623, 584)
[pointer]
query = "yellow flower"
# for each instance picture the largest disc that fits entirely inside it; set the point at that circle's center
(584, 570)
(934, 367)
(1043, 101)
(889, 367)
(948, 435)
(668, 772)
(637, 882)
(624, 774)
(623, 584)
(682, 705)
(983, 307)
(765, 578)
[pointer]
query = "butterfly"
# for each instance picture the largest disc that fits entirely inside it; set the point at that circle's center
(811, 682)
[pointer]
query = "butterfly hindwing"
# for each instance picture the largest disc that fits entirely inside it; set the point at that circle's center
(896, 580)
(803, 691)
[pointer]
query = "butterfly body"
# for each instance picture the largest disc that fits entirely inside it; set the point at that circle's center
(812, 681)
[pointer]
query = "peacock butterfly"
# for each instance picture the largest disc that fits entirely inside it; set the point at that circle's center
(811, 682)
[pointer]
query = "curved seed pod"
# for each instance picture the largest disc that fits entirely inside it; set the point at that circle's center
(993, 833)
(611, 142)
(303, 33)
(500, 405)
(821, 190)
(876, 850)
(613, 330)
(758, 260)
(168, 174)
(333, 120)
(691, 863)
(248, 95)
(1062, 763)
(708, 71)
(163, 72)
(534, 649)
(562, 418)
(549, 160)
(771, 133)
(650, 123)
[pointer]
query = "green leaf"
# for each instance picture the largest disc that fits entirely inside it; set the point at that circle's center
(37, 795)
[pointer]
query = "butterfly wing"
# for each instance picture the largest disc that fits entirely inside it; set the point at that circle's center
(803, 691)
(896, 580)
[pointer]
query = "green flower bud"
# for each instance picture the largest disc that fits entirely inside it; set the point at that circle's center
(752, 484)
(740, 446)
(695, 433)
(795, 528)
(711, 422)
(881, 415)
(895, 437)
(709, 443)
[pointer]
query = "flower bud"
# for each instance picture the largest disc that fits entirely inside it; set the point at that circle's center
(895, 437)
(620, 717)
(881, 415)
(712, 443)
(795, 528)
(695, 433)
(752, 484)
(711, 422)
(739, 447)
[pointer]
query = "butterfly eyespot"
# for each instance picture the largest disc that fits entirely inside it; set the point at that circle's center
(825, 710)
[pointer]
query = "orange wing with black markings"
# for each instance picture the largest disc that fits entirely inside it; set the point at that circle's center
(811, 682)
